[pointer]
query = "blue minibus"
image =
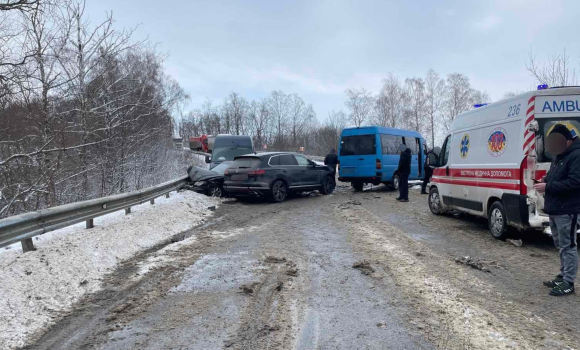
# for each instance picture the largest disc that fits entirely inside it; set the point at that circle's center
(371, 155)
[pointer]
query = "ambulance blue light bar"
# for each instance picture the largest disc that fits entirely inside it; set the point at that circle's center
(542, 87)
(480, 105)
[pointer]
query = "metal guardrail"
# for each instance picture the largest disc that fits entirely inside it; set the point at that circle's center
(21, 228)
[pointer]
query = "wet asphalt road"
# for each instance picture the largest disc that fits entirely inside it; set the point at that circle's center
(263, 276)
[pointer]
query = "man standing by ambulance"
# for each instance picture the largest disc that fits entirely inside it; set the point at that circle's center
(562, 202)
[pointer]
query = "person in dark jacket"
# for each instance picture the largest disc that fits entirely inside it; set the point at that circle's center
(331, 160)
(428, 173)
(562, 202)
(404, 171)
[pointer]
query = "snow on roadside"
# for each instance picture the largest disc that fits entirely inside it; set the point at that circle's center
(38, 287)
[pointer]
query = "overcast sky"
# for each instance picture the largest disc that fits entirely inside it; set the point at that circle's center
(318, 49)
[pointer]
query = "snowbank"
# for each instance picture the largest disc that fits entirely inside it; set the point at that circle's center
(37, 287)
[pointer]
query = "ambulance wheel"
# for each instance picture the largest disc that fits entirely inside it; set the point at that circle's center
(358, 186)
(497, 220)
(396, 181)
(435, 201)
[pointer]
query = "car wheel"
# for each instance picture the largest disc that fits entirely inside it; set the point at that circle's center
(497, 221)
(279, 191)
(327, 185)
(358, 186)
(396, 181)
(216, 191)
(435, 201)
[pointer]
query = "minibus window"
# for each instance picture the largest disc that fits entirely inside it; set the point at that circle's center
(357, 145)
(413, 144)
(546, 126)
(390, 144)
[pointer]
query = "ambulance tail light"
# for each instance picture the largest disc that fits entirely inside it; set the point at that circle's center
(379, 164)
(527, 169)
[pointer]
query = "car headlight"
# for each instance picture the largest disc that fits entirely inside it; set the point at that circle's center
(199, 183)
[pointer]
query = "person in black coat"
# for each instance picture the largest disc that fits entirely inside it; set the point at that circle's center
(428, 173)
(562, 202)
(331, 160)
(404, 171)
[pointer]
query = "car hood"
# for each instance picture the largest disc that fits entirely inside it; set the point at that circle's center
(199, 174)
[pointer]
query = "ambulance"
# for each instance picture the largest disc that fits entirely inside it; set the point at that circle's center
(495, 153)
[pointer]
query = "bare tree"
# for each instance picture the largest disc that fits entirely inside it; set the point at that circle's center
(434, 98)
(416, 103)
(556, 71)
(279, 110)
(389, 103)
(359, 102)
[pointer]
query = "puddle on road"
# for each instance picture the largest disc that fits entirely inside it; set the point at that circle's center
(213, 273)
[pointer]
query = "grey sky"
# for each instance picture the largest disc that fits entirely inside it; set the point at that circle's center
(318, 49)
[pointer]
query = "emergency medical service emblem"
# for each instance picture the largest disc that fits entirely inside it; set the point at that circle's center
(464, 146)
(497, 142)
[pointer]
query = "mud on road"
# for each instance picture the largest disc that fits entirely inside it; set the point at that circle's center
(346, 271)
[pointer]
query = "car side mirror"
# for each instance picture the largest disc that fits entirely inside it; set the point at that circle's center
(207, 159)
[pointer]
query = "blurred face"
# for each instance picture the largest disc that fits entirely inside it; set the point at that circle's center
(556, 144)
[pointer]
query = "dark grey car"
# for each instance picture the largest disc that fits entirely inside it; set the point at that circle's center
(274, 175)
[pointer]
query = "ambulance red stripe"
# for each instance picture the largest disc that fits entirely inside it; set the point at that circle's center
(499, 185)
(480, 173)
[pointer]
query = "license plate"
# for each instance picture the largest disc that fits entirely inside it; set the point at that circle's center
(240, 177)
(347, 171)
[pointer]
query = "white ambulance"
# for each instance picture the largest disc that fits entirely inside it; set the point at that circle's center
(493, 155)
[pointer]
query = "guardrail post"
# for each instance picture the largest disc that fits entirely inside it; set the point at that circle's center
(90, 223)
(127, 211)
(152, 201)
(27, 245)
(167, 195)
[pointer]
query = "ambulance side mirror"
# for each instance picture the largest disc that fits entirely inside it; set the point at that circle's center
(433, 160)
(534, 126)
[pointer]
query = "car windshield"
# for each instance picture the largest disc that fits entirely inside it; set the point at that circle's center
(357, 145)
(229, 153)
(546, 126)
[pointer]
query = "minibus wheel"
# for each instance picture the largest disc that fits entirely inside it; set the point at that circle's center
(497, 220)
(435, 201)
(358, 186)
(396, 181)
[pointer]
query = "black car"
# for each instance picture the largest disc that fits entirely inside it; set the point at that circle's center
(274, 175)
(208, 182)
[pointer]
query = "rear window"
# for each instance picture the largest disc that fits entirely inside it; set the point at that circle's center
(546, 126)
(283, 159)
(246, 162)
(357, 145)
(287, 159)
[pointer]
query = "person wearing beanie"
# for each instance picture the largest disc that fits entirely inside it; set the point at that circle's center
(562, 202)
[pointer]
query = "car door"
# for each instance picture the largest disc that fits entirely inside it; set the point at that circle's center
(289, 166)
(309, 174)
(442, 174)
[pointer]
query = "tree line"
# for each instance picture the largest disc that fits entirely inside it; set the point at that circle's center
(284, 122)
(85, 110)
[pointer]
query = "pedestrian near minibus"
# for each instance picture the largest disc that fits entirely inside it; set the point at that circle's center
(404, 171)
(331, 160)
(428, 172)
(562, 202)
